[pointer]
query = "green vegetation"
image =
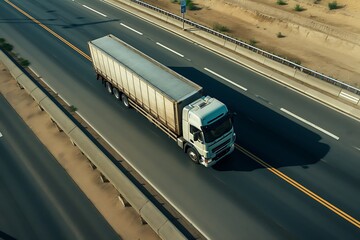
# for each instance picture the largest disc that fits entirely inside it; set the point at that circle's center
(189, 4)
(23, 62)
(220, 28)
(333, 5)
(299, 8)
(5, 46)
(8, 48)
(73, 108)
(253, 42)
(281, 2)
(280, 35)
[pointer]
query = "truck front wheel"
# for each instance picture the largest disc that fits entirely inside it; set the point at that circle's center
(193, 155)
(125, 100)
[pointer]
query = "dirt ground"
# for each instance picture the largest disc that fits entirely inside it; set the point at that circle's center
(124, 220)
(324, 40)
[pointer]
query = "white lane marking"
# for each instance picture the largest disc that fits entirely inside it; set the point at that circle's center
(64, 100)
(36, 74)
(169, 49)
(224, 78)
(310, 124)
(350, 97)
(140, 33)
(357, 148)
(94, 10)
(47, 84)
(1, 134)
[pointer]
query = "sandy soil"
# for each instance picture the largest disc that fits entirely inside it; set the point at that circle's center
(124, 220)
(323, 40)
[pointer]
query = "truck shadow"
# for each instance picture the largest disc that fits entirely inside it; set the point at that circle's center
(6, 236)
(261, 130)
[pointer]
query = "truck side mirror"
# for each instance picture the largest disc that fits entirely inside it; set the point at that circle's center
(196, 135)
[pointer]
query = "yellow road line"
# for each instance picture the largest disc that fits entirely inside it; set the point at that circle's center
(300, 187)
(49, 30)
(241, 149)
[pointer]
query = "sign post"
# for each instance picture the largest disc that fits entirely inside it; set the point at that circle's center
(183, 10)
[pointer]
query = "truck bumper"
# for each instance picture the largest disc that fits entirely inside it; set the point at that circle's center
(220, 156)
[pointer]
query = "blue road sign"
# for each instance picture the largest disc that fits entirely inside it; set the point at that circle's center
(183, 6)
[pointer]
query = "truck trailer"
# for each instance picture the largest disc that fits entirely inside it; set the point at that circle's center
(201, 125)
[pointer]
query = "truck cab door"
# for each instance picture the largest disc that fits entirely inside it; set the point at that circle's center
(197, 139)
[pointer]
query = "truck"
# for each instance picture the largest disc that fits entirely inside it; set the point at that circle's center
(201, 125)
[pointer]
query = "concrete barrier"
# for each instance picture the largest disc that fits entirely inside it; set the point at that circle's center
(144, 207)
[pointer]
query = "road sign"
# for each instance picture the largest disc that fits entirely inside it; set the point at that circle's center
(183, 9)
(183, 6)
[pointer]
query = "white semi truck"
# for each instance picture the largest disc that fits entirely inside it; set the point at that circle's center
(201, 125)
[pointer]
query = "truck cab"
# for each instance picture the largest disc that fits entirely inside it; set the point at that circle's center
(207, 130)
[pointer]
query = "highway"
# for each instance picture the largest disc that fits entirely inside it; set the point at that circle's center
(39, 200)
(313, 191)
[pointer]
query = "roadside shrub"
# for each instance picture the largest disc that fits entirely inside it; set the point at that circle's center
(7, 47)
(189, 4)
(24, 62)
(220, 28)
(73, 108)
(299, 8)
(281, 2)
(333, 5)
(280, 35)
(253, 42)
(2, 41)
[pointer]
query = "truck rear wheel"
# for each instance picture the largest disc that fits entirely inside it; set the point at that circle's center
(193, 155)
(117, 94)
(125, 100)
(108, 87)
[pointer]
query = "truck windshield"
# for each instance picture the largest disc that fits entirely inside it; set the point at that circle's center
(217, 129)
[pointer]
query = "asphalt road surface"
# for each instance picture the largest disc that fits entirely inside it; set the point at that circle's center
(39, 200)
(303, 182)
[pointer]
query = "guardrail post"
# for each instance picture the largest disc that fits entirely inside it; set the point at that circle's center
(123, 201)
(93, 167)
(103, 178)
(142, 221)
(19, 85)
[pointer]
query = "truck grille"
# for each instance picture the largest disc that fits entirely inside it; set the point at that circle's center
(215, 149)
(221, 154)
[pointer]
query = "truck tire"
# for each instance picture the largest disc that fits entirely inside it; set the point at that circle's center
(117, 94)
(193, 155)
(125, 100)
(108, 87)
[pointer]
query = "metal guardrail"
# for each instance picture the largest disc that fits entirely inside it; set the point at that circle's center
(254, 49)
